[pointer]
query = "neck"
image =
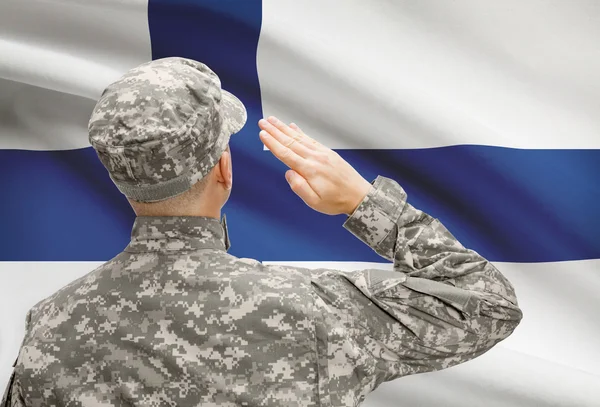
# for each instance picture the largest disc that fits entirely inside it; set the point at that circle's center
(214, 213)
(164, 209)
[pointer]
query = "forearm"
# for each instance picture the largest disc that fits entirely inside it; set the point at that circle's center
(421, 247)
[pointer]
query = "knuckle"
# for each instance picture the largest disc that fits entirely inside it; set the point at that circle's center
(311, 171)
(322, 157)
(285, 153)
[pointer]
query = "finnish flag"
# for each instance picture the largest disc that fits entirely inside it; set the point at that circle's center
(487, 114)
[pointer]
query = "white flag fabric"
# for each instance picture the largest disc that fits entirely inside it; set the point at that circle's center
(486, 113)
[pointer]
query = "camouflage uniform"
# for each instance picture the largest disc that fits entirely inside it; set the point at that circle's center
(174, 320)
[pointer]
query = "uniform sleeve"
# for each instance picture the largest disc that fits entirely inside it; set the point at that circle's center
(12, 394)
(442, 304)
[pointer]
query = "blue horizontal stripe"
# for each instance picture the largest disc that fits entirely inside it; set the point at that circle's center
(507, 204)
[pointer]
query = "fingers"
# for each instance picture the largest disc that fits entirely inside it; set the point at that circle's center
(311, 143)
(283, 153)
(298, 129)
(292, 141)
(282, 132)
(301, 188)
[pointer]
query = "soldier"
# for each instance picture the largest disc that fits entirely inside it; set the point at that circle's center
(174, 320)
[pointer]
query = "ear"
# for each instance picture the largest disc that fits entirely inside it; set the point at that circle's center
(225, 173)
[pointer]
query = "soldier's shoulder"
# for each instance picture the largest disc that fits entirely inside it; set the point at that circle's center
(245, 261)
(73, 290)
(253, 265)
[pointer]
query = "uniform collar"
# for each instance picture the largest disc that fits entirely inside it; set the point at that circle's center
(175, 233)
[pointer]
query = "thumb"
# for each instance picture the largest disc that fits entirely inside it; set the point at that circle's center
(288, 176)
(301, 187)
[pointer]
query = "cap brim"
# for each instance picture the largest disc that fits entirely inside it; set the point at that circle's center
(234, 112)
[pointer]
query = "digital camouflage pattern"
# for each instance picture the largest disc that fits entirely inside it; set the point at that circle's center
(163, 126)
(174, 320)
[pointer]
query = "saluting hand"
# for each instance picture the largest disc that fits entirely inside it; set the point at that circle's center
(318, 175)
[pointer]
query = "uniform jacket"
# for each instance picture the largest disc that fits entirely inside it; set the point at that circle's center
(174, 320)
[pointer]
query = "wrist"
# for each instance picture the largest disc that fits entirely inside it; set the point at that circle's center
(358, 196)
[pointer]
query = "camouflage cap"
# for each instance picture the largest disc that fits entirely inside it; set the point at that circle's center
(163, 126)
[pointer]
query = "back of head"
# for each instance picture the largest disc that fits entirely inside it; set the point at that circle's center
(188, 203)
(162, 127)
